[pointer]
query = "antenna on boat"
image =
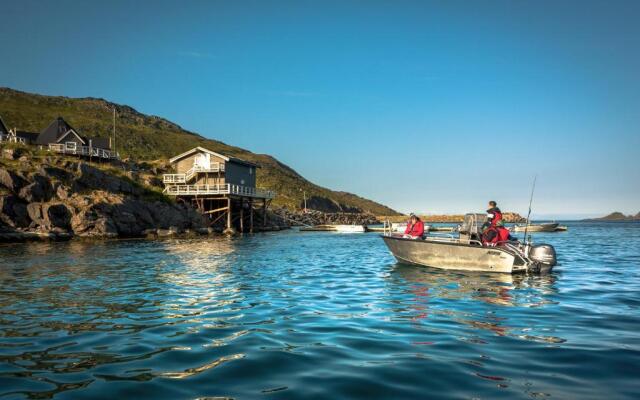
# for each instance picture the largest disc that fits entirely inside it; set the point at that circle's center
(526, 227)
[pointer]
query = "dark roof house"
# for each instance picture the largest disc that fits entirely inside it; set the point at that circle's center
(14, 135)
(60, 131)
(29, 137)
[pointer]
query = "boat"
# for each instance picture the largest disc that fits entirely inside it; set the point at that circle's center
(543, 227)
(334, 228)
(399, 227)
(466, 252)
(350, 228)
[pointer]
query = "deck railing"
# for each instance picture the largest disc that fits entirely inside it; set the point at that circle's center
(83, 151)
(174, 178)
(192, 190)
(187, 176)
(12, 139)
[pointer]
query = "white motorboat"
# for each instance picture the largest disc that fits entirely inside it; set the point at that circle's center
(543, 227)
(350, 228)
(466, 251)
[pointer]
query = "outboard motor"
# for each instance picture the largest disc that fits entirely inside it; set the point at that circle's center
(544, 255)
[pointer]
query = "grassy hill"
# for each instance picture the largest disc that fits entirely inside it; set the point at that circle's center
(147, 137)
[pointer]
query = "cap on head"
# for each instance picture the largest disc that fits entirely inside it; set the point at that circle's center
(493, 203)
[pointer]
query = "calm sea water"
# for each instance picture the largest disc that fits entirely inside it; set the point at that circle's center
(316, 315)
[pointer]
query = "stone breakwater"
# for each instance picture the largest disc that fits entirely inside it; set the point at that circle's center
(313, 217)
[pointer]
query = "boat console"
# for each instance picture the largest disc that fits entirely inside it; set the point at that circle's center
(471, 228)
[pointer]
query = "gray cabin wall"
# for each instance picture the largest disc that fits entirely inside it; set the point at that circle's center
(240, 174)
(73, 138)
(185, 164)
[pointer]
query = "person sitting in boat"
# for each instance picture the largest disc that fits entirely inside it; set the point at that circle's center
(494, 214)
(415, 228)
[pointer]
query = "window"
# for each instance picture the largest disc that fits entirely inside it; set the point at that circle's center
(250, 171)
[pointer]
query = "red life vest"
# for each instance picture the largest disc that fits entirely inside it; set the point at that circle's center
(503, 234)
(415, 230)
(495, 235)
(497, 215)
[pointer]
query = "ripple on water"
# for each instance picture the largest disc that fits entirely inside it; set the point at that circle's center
(289, 315)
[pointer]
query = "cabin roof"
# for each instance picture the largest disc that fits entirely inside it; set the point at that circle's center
(103, 143)
(30, 136)
(203, 150)
(72, 131)
(56, 129)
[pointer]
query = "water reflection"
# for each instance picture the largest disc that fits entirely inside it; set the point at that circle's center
(480, 301)
(500, 289)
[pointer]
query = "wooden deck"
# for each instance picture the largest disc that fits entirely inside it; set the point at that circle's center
(213, 190)
(186, 177)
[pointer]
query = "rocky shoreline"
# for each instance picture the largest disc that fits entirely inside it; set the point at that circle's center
(45, 197)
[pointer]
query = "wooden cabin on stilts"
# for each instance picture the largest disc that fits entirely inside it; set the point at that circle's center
(221, 187)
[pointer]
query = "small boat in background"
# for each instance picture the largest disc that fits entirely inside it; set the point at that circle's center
(350, 228)
(544, 227)
(398, 227)
(335, 228)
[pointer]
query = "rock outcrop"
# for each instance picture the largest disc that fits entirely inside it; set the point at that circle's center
(58, 198)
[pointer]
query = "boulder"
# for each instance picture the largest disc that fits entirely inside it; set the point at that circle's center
(34, 210)
(38, 191)
(9, 154)
(93, 178)
(57, 216)
(13, 212)
(11, 180)
(56, 173)
(62, 192)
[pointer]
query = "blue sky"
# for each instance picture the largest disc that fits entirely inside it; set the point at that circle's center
(425, 106)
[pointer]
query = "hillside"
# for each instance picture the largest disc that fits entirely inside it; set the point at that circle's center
(146, 137)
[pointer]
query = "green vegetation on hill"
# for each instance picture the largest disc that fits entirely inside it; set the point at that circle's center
(146, 137)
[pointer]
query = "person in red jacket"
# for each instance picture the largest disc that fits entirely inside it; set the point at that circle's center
(415, 228)
(496, 214)
(494, 231)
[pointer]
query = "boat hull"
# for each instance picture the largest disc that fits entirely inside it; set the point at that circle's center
(350, 228)
(453, 256)
(551, 227)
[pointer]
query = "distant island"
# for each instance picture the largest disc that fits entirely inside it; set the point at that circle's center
(616, 216)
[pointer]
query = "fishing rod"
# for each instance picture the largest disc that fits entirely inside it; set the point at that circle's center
(526, 228)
